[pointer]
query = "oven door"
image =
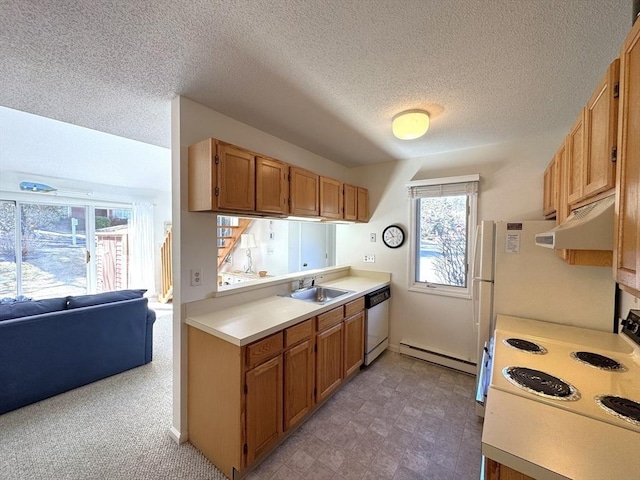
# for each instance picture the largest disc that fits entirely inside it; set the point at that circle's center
(484, 377)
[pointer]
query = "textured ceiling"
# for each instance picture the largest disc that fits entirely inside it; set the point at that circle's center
(325, 75)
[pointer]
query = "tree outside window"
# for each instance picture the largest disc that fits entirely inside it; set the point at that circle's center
(443, 241)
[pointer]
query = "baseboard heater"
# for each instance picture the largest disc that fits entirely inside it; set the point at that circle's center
(436, 357)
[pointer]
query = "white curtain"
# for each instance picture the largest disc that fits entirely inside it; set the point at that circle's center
(142, 262)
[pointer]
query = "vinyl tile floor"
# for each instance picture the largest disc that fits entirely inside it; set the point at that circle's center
(400, 418)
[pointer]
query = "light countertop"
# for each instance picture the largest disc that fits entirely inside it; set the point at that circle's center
(548, 443)
(251, 321)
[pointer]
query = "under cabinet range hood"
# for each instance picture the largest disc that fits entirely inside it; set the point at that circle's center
(586, 228)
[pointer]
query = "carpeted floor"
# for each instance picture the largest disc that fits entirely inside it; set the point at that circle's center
(116, 428)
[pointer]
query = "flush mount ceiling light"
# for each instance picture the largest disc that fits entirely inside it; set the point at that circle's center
(410, 124)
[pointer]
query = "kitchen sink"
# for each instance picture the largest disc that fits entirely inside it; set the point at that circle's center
(319, 295)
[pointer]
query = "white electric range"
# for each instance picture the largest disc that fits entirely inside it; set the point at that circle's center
(552, 413)
(582, 371)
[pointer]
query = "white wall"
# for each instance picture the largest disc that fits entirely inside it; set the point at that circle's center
(510, 189)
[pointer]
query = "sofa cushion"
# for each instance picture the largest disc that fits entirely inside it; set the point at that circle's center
(34, 307)
(106, 297)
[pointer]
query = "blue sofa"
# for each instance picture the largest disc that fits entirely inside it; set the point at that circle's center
(50, 346)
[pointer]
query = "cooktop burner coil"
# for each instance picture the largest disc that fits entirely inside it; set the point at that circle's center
(620, 407)
(525, 346)
(540, 383)
(598, 361)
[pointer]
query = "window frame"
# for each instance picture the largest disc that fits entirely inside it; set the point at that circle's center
(414, 249)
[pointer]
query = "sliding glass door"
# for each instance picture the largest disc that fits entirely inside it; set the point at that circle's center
(49, 250)
(54, 250)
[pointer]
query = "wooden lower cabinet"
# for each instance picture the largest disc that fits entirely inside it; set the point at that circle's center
(329, 344)
(497, 471)
(243, 401)
(263, 397)
(298, 383)
(353, 343)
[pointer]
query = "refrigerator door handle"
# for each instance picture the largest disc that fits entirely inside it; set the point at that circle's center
(476, 245)
(475, 301)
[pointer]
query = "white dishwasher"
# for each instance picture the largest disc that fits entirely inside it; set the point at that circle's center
(377, 323)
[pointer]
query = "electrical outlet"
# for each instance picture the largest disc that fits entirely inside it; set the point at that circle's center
(372, 237)
(369, 259)
(196, 277)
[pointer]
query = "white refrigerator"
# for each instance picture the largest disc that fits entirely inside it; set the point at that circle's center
(513, 276)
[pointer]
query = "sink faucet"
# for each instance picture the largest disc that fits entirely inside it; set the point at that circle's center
(302, 282)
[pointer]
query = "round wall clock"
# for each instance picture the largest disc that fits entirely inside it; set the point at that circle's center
(393, 236)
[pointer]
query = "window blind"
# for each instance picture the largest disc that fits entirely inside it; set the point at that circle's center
(444, 187)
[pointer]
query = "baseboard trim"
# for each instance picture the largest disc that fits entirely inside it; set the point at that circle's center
(421, 353)
(177, 436)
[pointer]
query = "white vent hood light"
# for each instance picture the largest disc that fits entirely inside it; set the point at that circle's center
(586, 228)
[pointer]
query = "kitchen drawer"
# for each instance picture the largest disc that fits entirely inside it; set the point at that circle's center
(297, 333)
(354, 307)
(330, 318)
(264, 349)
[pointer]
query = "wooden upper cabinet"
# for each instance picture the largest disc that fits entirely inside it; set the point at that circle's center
(230, 179)
(236, 178)
(601, 130)
(272, 186)
(221, 177)
(350, 202)
(596, 258)
(627, 232)
(363, 204)
(331, 198)
(304, 192)
(551, 187)
(202, 176)
(575, 160)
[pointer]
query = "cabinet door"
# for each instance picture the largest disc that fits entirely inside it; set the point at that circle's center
(363, 204)
(201, 175)
(236, 179)
(329, 360)
(303, 190)
(597, 258)
(549, 200)
(575, 159)
(350, 202)
(601, 130)
(353, 343)
(497, 471)
(263, 403)
(272, 186)
(331, 198)
(298, 383)
(627, 238)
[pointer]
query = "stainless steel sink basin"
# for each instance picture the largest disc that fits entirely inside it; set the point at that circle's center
(319, 295)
